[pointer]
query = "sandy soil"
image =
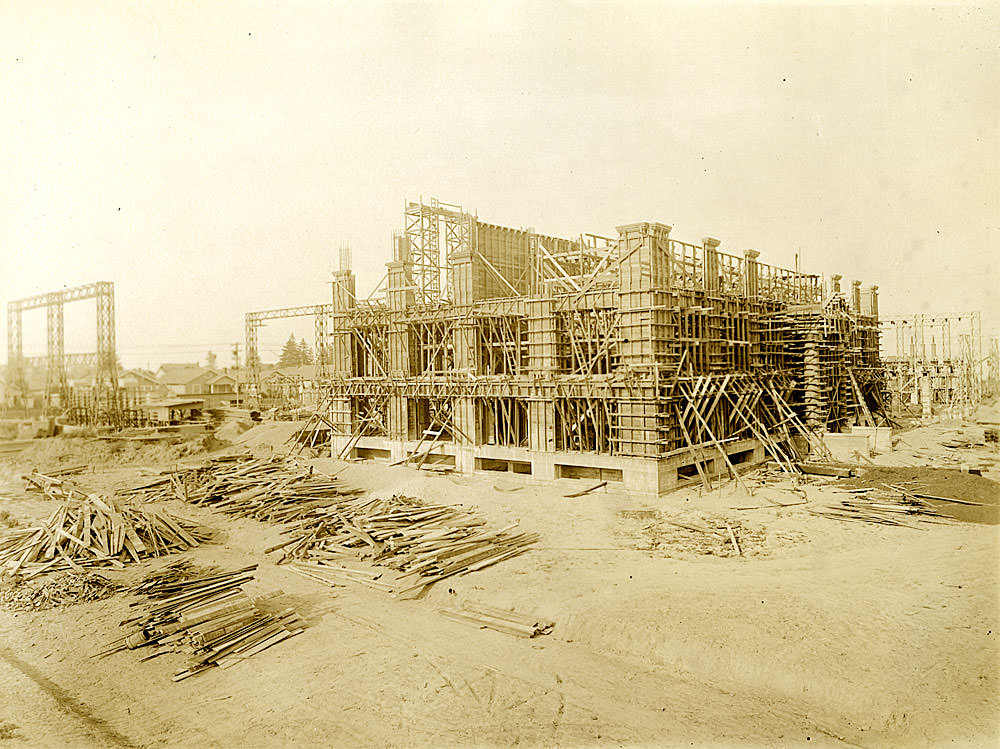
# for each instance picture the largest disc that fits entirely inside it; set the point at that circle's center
(824, 632)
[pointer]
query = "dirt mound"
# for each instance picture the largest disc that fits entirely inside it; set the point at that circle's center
(231, 429)
(939, 482)
(269, 434)
(53, 453)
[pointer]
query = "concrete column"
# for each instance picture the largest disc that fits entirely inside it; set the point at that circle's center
(710, 263)
(462, 278)
(344, 291)
(751, 272)
(400, 296)
(339, 357)
(542, 338)
(464, 416)
(646, 267)
(541, 426)
(814, 396)
(644, 254)
(856, 297)
(869, 301)
(465, 336)
(835, 283)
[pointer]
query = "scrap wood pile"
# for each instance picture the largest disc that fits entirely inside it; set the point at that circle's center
(422, 543)
(711, 535)
(61, 590)
(210, 618)
(278, 489)
(88, 529)
(887, 504)
(502, 620)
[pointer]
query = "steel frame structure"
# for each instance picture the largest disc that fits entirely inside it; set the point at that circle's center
(105, 357)
(935, 360)
(255, 320)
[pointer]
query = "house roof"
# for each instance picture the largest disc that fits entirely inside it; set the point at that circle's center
(178, 374)
(138, 373)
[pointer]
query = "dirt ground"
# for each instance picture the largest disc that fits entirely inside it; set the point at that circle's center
(822, 631)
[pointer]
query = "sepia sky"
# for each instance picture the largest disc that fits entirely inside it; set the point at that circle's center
(210, 158)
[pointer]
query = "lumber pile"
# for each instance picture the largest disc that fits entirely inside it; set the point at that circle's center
(278, 489)
(501, 620)
(61, 590)
(92, 530)
(422, 543)
(887, 504)
(327, 521)
(210, 618)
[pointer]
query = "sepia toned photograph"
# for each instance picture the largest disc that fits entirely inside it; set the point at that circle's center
(438, 373)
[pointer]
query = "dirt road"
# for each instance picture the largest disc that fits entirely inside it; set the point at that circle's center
(827, 633)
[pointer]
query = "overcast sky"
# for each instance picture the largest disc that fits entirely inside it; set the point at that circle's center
(210, 158)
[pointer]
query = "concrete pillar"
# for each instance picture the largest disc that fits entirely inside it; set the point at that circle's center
(835, 283)
(542, 338)
(400, 296)
(344, 292)
(464, 416)
(462, 278)
(646, 267)
(813, 397)
(751, 270)
(869, 301)
(541, 426)
(644, 254)
(710, 263)
(339, 357)
(465, 335)
(856, 297)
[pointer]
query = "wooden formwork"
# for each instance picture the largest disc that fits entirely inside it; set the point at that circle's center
(644, 348)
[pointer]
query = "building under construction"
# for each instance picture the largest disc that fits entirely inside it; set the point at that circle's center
(637, 358)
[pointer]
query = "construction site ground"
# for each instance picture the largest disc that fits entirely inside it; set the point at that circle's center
(820, 630)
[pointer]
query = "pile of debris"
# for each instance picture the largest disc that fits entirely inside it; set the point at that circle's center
(423, 543)
(328, 521)
(91, 530)
(710, 536)
(888, 504)
(209, 617)
(278, 489)
(61, 590)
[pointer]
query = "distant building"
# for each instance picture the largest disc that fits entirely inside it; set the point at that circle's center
(172, 410)
(141, 385)
(292, 385)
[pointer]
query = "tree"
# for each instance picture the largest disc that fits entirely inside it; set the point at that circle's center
(290, 354)
(211, 359)
(305, 353)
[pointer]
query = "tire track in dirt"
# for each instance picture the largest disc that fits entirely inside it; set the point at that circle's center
(103, 734)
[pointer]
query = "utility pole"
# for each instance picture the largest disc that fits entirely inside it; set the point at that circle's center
(236, 367)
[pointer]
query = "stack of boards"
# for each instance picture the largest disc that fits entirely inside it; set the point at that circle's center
(210, 618)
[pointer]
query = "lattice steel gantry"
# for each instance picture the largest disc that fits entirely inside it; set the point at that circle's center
(105, 357)
(254, 320)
